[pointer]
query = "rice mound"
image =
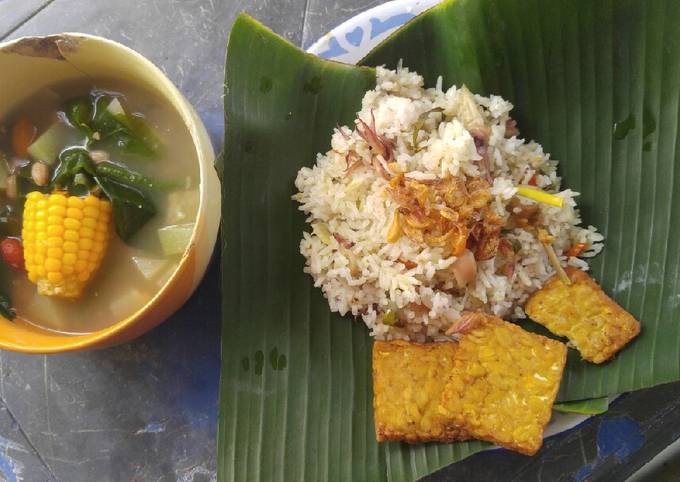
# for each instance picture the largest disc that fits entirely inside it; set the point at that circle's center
(347, 252)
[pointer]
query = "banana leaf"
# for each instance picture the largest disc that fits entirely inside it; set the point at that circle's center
(597, 83)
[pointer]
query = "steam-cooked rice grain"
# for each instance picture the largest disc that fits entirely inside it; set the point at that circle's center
(365, 275)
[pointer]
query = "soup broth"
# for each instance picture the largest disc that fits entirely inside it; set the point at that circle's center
(132, 271)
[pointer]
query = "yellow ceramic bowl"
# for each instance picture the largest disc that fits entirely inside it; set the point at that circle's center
(30, 64)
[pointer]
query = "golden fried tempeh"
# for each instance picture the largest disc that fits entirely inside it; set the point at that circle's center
(408, 379)
(503, 384)
(593, 322)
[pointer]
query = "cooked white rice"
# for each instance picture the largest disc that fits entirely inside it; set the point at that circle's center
(366, 279)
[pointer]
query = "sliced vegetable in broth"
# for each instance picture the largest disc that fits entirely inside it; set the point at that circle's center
(150, 268)
(174, 239)
(50, 144)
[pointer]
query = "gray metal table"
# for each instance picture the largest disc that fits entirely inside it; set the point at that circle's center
(147, 411)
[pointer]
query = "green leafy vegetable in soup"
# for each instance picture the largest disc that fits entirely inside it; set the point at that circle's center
(131, 207)
(102, 118)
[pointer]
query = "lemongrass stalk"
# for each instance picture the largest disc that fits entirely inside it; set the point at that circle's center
(540, 196)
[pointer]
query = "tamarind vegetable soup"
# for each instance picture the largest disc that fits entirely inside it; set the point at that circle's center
(129, 154)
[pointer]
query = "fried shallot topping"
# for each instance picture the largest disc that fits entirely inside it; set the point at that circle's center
(525, 216)
(453, 213)
(379, 146)
(468, 321)
(511, 129)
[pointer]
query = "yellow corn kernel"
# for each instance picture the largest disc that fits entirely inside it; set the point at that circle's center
(52, 241)
(89, 223)
(55, 230)
(65, 238)
(91, 201)
(52, 264)
(74, 213)
(72, 223)
(56, 210)
(55, 253)
(91, 211)
(57, 199)
(75, 202)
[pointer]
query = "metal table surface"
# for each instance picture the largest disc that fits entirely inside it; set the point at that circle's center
(147, 410)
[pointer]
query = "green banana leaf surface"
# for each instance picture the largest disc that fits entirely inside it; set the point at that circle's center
(597, 83)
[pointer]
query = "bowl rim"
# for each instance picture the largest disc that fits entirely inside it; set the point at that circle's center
(205, 156)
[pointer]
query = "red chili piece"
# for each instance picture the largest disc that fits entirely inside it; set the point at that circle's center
(13, 253)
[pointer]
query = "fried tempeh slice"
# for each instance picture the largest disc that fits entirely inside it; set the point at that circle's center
(408, 379)
(503, 384)
(593, 322)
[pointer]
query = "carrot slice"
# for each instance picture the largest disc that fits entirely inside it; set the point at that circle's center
(23, 135)
(577, 249)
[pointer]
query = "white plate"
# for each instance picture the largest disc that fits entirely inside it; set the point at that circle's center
(350, 41)
(353, 39)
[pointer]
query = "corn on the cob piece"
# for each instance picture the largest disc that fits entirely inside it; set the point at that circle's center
(65, 238)
(503, 384)
(408, 379)
(593, 322)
